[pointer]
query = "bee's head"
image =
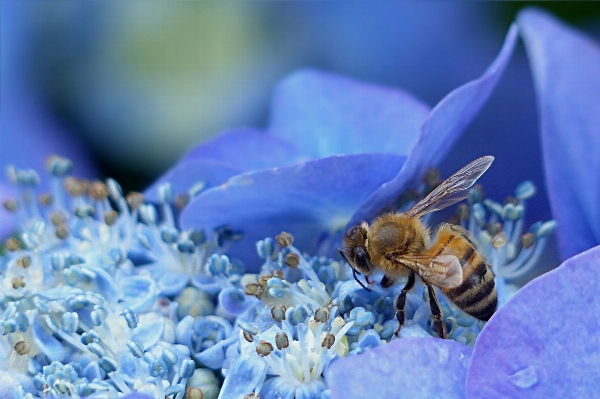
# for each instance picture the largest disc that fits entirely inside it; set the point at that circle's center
(355, 249)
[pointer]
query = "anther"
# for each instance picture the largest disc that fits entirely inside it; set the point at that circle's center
(22, 348)
(527, 240)
(292, 260)
(57, 218)
(194, 393)
(62, 231)
(135, 200)
(84, 211)
(18, 282)
(328, 341)
(247, 336)
(278, 313)
(11, 205)
(264, 348)
(58, 166)
(24, 261)
(277, 273)
(281, 340)
(98, 190)
(498, 240)
(46, 199)
(284, 239)
(321, 315)
(110, 217)
(13, 245)
(75, 186)
(493, 228)
(253, 289)
(181, 200)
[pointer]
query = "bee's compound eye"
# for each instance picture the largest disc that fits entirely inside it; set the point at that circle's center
(362, 259)
(353, 232)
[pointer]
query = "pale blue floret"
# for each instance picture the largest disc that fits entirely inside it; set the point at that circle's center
(76, 314)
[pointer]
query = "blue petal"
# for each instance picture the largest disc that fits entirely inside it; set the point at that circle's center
(544, 342)
(566, 73)
(106, 285)
(208, 284)
(442, 128)
(304, 200)
(138, 293)
(190, 173)
(49, 345)
(149, 330)
(369, 340)
(248, 149)
(92, 371)
(214, 356)
(324, 115)
(10, 380)
(235, 301)
(276, 388)
(172, 283)
(244, 376)
(183, 331)
(412, 368)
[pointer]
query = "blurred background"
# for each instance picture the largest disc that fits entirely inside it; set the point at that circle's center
(125, 88)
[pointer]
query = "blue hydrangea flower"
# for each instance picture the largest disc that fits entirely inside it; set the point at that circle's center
(564, 64)
(319, 116)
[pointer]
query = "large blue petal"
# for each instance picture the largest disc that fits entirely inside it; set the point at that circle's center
(246, 373)
(544, 342)
(566, 71)
(325, 115)
(189, 173)
(411, 368)
(439, 132)
(304, 199)
(248, 149)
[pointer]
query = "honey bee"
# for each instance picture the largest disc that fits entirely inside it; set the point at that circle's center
(398, 244)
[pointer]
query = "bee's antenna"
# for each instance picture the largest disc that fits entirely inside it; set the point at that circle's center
(358, 281)
(343, 254)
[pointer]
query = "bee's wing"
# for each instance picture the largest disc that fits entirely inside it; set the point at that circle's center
(449, 192)
(443, 271)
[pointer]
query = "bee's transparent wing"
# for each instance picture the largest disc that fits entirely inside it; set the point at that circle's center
(450, 191)
(443, 271)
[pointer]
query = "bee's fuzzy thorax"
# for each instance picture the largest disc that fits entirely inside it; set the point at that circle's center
(395, 233)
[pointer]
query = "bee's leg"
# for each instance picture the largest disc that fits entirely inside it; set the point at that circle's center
(401, 301)
(436, 312)
(387, 282)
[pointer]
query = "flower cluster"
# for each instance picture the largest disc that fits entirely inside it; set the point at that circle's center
(77, 315)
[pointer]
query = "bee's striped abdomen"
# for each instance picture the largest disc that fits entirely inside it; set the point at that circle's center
(477, 294)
